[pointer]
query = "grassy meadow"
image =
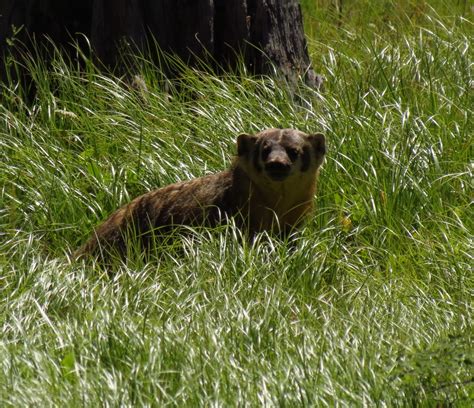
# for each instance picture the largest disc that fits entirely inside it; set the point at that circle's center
(371, 304)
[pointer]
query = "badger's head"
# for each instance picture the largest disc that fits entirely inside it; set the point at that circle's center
(280, 154)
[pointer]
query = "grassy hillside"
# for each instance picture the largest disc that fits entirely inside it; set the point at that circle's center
(372, 302)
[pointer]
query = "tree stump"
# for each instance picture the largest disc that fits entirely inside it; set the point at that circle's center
(266, 34)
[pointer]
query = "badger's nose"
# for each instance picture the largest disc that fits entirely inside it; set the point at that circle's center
(278, 170)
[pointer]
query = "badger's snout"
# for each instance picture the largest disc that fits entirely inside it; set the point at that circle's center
(278, 170)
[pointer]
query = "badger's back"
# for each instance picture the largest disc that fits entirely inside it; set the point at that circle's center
(203, 201)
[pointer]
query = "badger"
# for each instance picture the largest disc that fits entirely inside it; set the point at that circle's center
(269, 186)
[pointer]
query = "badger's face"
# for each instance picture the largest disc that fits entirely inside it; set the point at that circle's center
(279, 154)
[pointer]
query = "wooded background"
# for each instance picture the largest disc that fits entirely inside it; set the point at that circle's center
(264, 33)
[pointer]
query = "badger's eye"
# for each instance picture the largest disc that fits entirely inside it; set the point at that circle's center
(265, 151)
(292, 153)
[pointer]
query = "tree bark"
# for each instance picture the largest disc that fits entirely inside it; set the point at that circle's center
(266, 34)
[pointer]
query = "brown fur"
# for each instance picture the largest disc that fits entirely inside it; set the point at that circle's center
(269, 187)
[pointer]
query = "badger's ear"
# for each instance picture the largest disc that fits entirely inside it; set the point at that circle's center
(245, 143)
(318, 141)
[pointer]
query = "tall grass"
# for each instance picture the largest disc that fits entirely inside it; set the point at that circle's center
(371, 302)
